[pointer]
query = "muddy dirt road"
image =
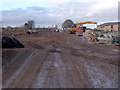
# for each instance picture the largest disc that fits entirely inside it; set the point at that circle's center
(59, 60)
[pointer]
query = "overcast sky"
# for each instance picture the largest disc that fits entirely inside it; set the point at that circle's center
(55, 12)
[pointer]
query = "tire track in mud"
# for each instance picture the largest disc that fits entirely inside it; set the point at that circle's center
(63, 67)
(95, 76)
(76, 74)
(43, 76)
(8, 82)
(52, 73)
(28, 72)
(76, 51)
(60, 69)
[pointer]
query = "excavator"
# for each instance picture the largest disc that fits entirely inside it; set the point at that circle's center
(80, 29)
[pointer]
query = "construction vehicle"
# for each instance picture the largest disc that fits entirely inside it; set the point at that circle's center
(72, 30)
(79, 29)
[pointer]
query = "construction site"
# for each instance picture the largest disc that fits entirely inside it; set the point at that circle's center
(73, 56)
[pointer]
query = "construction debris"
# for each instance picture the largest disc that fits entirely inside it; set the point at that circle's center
(32, 31)
(11, 42)
(117, 41)
(101, 38)
(105, 38)
(90, 36)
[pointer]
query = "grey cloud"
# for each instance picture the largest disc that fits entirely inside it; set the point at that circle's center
(34, 8)
(19, 17)
(106, 16)
(57, 14)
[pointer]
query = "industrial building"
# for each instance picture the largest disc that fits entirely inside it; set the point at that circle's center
(31, 24)
(111, 26)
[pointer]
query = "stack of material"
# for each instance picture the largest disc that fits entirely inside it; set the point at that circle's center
(105, 38)
(117, 41)
(11, 42)
(90, 36)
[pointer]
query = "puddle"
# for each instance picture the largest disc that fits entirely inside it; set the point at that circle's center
(80, 51)
(40, 81)
(83, 39)
(88, 51)
(50, 62)
(76, 47)
(106, 56)
(58, 50)
(90, 43)
(115, 50)
(55, 64)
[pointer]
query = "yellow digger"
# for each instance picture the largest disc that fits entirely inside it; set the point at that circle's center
(79, 30)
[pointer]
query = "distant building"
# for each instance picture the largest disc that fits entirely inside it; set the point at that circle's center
(111, 26)
(31, 24)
